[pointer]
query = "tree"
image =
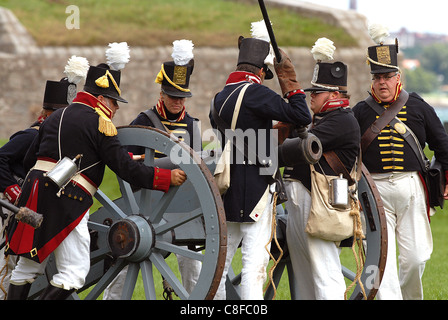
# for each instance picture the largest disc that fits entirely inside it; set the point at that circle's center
(421, 81)
(435, 58)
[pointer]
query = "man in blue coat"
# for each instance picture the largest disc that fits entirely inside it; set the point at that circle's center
(248, 201)
(58, 94)
(85, 127)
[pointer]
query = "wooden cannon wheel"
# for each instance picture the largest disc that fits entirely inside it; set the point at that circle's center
(141, 228)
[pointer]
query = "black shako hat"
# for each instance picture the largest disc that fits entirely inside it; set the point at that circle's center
(383, 58)
(329, 77)
(254, 52)
(102, 80)
(58, 94)
(176, 79)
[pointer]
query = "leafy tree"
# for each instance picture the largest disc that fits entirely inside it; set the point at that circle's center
(435, 58)
(421, 81)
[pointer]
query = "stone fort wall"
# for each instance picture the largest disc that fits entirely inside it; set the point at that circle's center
(25, 67)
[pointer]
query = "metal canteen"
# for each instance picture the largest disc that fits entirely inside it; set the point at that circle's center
(339, 194)
(63, 171)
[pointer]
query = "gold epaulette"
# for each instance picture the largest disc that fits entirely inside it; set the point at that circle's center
(105, 125)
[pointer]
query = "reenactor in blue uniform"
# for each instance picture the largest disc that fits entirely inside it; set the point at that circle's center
(248, 200)
(83, 128)
(58, 94)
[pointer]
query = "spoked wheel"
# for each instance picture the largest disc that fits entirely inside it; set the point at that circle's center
(374, 248)
(142, 228)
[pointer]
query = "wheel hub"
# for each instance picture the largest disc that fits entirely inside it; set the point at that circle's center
(131, 238)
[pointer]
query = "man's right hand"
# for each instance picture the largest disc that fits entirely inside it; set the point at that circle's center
(178, 177)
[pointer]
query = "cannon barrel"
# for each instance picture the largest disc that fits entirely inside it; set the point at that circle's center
(300, 150)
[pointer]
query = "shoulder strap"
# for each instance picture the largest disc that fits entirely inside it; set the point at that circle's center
(386, 116)
(337, 166)
(223, 126)
(409, 136)
(155, 120)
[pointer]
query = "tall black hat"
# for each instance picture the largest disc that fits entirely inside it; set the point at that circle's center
(174, 76)
(329, 77)
(102, 80)
(254, 52)
(176, 79)
(58, 94)
(382, 58)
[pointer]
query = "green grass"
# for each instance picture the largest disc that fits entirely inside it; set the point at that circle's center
(214, 23)
(435, 278)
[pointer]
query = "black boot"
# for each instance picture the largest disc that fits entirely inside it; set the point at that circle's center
(18, 292)
(55, 293)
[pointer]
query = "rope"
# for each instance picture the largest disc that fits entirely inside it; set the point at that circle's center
(5, 268)
(273, 236)
(359, 257)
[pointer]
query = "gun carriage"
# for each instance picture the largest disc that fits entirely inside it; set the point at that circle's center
(142, 228)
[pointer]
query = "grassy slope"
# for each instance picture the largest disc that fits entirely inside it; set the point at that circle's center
(215, 23)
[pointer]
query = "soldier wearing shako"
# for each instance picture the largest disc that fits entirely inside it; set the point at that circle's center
(174, 80)
(391, 154)
(316, 259)
(58, 94)
(248, 200)
(84, 128)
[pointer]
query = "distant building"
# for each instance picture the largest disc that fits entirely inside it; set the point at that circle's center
(411, 39)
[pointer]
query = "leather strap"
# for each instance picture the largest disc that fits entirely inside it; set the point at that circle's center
(223, 126)
(386, 116)
(43, 165)
(155, 120)
(337, 166)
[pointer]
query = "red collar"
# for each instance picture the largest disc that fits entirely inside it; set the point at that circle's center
(242, 76)
(160, 107)
(333, 104)
(91, 101)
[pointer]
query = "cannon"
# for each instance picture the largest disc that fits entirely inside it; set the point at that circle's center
(142, 228)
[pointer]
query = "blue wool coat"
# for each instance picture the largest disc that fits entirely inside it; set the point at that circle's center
(260, 106)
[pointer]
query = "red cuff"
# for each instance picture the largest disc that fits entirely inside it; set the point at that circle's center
(294, 92)
(162, 179)
(12, 193)
(446, 177)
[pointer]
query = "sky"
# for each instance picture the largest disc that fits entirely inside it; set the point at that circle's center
(425, 16)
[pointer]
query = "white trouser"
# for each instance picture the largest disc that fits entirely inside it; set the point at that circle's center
(408, 227)
(189, 270)
(255, 258)
(315, 262)
(72, 258)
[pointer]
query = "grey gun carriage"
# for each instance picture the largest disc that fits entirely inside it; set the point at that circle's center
(142, 228)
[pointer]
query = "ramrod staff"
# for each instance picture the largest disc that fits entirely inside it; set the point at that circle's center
(277, 53)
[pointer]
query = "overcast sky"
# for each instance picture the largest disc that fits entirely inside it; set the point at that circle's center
(415, 15)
